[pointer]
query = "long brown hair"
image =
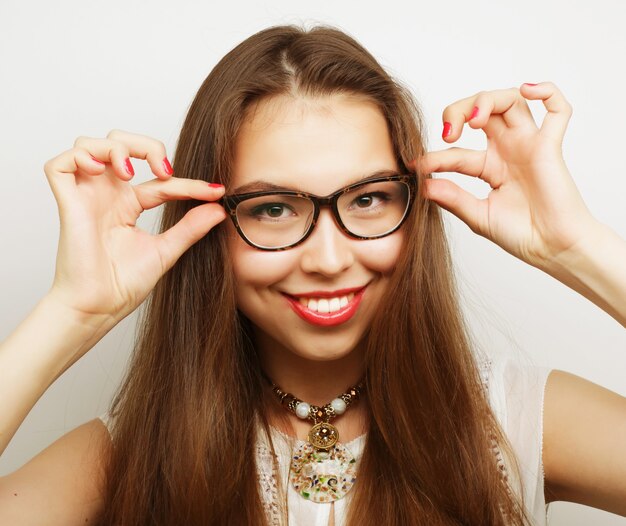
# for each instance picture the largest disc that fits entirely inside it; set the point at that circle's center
(186, 415)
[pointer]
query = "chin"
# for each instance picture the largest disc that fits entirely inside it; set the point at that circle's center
(325, 353)
(320, 346)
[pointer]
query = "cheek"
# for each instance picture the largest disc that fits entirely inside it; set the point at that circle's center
(258, 268)
(381, 255)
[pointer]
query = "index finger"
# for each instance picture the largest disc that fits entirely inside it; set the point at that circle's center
(156, 192)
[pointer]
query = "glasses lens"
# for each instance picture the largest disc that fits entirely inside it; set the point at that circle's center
(274, 221)
(374, 209)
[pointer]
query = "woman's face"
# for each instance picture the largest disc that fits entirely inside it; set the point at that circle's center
(317, 146)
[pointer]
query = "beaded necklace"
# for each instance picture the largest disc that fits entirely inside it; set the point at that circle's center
(322, 469)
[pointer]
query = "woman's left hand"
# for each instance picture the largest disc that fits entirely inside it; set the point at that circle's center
(534, 210)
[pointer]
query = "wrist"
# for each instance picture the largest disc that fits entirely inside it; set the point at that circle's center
(55, 304)
(580, 255)
(594, 267)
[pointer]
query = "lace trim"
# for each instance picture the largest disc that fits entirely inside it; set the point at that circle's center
(267, 483)
(485, 370)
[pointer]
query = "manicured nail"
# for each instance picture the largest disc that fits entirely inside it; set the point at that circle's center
(447, 129)
(474, 113)
(215, 185)
(99, 162)
(129, 167)
(529, 84)
(167, 166)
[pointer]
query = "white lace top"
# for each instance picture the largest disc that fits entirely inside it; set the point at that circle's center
(516, 396)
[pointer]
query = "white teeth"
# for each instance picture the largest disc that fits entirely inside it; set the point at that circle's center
(326, 305)
(323, 306)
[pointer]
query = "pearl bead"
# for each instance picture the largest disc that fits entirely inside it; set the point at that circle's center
(302, 410)
(339, 406)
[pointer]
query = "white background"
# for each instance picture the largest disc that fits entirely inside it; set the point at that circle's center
(72, 68)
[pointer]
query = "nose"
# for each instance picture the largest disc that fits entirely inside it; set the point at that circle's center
(327, 250)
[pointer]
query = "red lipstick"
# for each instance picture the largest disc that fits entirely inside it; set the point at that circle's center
(328, 319)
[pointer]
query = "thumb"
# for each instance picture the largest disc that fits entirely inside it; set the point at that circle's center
(451, 197)
(193, 226)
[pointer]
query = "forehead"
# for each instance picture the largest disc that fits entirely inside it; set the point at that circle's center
(312, 144)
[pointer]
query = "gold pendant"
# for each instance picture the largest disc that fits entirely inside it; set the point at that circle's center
(323, 435)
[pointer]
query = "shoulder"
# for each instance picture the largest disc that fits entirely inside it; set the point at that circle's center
(585, 433)
(61, 485)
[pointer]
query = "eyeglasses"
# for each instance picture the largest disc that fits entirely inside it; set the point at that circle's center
(278, 220)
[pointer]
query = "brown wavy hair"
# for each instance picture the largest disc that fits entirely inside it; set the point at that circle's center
(185, 424)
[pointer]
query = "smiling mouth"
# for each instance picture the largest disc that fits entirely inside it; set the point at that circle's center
(326, 311)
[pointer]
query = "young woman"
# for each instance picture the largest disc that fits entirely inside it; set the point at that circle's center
(302, 357)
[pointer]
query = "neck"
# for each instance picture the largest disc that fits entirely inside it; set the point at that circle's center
(316, 382)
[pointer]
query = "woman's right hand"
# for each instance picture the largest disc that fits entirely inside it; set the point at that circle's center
(106, 266)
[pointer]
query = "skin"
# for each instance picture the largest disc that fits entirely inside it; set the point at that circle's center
(106, 266)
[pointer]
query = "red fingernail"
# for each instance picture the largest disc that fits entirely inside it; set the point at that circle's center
(129, 167)
(529, 84)
(99, 162)
(447, 129)
(167, 166)
(474, 113)
(215, 185)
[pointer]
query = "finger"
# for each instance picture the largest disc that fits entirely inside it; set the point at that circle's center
(147, 148)
(508, 103)
(461, 160)
(454, 199)
(74, 161)
(489, 111)
(61, 170)
(156, 192)
(194, 225)
(559, 109)
(115, 153)
(454, 122)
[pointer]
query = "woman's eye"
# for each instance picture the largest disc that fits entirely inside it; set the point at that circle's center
(371, 200)
(272, 210)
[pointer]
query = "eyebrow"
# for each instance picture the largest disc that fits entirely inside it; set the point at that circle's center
(263, 186)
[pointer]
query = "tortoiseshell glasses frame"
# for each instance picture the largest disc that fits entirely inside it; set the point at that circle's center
(230, 203)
